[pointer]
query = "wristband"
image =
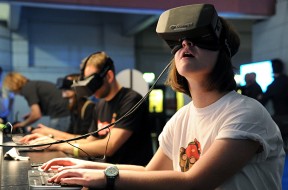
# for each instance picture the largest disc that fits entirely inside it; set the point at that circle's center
(76, 150)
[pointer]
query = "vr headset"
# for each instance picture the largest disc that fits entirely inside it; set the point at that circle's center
(198, 23)
(87, 86)
(64, 84)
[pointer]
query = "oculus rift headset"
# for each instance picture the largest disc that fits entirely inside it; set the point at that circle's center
(63, 83)
(87, 86)
(198, 23)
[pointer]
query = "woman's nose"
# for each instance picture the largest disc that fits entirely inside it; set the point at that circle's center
(187, 43)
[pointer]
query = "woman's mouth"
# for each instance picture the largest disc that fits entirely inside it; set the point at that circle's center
(187, 54)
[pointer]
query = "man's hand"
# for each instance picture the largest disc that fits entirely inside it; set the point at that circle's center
(26, 139)
(44, 130)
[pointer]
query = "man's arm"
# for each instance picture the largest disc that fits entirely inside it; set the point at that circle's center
(97, 147)
(34, 115)
(56, 134)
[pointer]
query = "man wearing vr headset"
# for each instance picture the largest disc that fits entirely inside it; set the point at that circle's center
(81, 111)
(129, 139)
(220, 140)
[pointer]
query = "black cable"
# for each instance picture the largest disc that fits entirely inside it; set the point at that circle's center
(93, 158)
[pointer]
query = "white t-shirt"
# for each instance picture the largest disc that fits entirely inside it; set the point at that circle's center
(233, 116)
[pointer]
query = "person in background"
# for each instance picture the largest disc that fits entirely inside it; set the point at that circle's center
(129, 140)
(81, 110)
(277, 93)
(6, 101)
(220, 140)
(43, 98)
(251, 89)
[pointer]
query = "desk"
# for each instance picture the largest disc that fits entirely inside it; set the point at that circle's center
(14, 174)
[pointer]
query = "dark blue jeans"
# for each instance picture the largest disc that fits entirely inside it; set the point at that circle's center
(61, 123)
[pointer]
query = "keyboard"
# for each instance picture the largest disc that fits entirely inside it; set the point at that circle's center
(38, 180)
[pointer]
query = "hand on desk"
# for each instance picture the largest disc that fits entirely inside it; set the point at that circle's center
(28, 138)
(36, 139)
(44, 130)
(85, 177)
(76, 171)
(68, 163)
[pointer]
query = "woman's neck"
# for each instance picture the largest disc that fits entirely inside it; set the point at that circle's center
(203, 98)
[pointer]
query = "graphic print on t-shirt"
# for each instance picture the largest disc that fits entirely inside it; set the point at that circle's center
(101, 125)
(189, 155)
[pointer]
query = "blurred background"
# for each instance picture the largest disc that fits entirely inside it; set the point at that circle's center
(47, 39)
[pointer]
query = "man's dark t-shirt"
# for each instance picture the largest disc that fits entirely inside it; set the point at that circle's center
(138, 148)
(47, 96)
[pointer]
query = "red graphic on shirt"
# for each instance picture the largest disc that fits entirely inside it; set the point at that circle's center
(190, 155)
(102, 125)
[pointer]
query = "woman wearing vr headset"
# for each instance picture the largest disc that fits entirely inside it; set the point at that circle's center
(220, 140)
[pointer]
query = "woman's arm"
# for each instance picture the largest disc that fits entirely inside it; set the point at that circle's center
(159, 162)
(223, 159)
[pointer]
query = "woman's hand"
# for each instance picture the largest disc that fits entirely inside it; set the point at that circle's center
(66, 163)
(85, 177)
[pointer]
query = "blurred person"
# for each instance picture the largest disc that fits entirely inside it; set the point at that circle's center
(43, 98)
(277, 93)
(6, 100)
(251, 89)
(81, 110)
(220, 140)
(129, 140)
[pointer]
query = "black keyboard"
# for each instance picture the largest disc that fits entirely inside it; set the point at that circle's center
(39, 180)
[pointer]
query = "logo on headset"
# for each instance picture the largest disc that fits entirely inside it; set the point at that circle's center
(181, 26)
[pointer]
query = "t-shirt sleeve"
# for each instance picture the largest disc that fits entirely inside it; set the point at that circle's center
(29, 91)
(231, 133)
(259, 128)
